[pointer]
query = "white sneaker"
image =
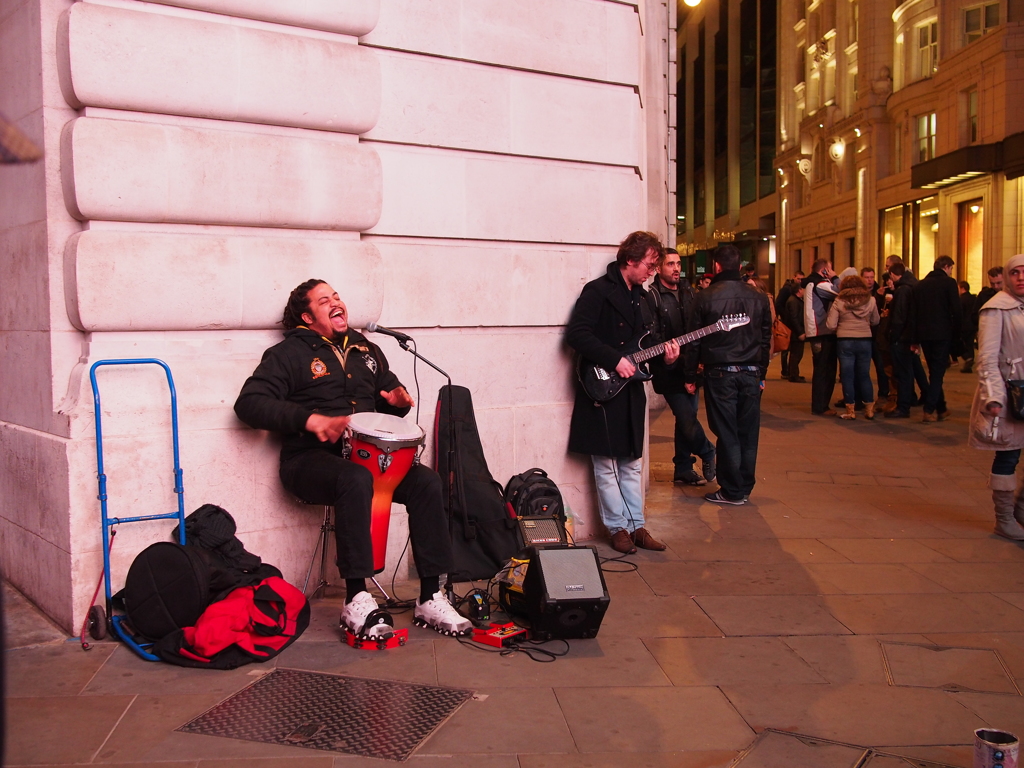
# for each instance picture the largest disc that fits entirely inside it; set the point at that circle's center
(355, 617)
(439, 615)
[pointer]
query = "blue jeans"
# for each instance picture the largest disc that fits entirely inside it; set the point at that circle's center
(620, 498)
(690, 439)
(1005, 462)
(855, 370)
(733, 402)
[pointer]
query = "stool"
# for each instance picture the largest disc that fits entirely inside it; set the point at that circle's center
(322, 542)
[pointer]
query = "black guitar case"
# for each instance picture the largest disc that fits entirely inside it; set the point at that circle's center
(483, 532)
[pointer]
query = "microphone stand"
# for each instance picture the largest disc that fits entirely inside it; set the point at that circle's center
(450, 456)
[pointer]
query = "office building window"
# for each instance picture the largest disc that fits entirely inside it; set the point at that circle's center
(925, 137)
(927, 49)
(979, 20)
(854, 21)
(767, 130)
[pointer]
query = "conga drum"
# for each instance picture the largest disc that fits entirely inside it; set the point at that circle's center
(386, 445)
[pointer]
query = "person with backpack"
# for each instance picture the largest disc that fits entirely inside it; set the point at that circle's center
(306, 388)
(611, 313)
(670, 304)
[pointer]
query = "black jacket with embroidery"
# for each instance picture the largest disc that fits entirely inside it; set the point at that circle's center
(301, 376)
(671, 310)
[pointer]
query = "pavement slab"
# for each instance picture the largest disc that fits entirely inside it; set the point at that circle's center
(923, 613)
(865, 714)
(771, 615)
(731, 661)
(652, 719)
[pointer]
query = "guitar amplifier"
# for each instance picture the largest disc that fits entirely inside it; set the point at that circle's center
(564, 593)
(539, 531)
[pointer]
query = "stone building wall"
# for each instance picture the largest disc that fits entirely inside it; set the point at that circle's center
(454, 168)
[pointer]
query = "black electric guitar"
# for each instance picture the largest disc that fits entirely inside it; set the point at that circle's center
(602, 385)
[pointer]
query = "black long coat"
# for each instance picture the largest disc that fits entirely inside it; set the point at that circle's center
(607, 316)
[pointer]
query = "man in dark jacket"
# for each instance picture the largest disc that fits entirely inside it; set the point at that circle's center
(609, 317)
(670, 304)
(793, 316)
(735, 366)
(937, 320)
(903, 352)
(306, 388)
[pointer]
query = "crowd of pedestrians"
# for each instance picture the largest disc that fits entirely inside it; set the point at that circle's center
(912, 332)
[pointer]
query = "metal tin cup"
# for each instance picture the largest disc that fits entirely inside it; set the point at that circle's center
(995, 749)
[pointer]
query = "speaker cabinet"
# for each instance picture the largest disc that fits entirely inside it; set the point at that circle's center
(564, 592)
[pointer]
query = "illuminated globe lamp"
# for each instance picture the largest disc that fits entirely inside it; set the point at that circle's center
(691, 3)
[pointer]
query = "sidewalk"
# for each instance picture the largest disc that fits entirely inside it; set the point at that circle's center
(823, 607)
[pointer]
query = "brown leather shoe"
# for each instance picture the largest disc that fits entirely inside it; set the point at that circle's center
(621, 542)
(643, 539)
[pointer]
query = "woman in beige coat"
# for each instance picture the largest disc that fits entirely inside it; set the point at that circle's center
(1001, 357)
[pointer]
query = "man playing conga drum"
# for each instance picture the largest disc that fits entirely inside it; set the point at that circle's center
(307, 387)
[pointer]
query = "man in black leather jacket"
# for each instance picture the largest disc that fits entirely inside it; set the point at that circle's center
(670, 302)
(735, 365)
(307, 387)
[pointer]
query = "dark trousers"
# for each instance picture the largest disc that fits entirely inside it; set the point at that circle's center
(796, 354)
(733, 402)
(883, 379)
(936, 354)
(690, 438)
(784, 355)
(823, 378)
(322, 477)
(903, 370)
(1005, 462)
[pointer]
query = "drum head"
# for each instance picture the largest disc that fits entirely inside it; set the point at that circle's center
(385, 427)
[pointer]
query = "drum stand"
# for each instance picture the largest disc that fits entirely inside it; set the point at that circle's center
(322, 542)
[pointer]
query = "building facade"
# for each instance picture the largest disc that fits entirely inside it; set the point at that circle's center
(726, 127)
(455, 168)
(898, 133)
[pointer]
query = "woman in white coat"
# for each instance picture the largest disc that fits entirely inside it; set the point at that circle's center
(1001, 357)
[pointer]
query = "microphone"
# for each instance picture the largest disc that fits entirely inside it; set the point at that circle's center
(374, 328)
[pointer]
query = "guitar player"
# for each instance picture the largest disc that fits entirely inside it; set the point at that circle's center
(610, 313)
(735, 366)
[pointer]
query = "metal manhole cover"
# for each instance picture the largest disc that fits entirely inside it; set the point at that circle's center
(354, 715)
(913, 665)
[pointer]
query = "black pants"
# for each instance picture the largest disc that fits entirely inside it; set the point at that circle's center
(903, 370)
(936, 354)
(690, 439)
(796, 354)
(320, 476)
(823, 378)
(785, 360)
(733, 402)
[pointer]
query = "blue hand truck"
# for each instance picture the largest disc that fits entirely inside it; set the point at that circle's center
(98, 621)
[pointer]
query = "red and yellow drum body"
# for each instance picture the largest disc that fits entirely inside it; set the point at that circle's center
(386, 445)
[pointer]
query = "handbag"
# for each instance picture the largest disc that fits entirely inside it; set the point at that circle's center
(781, 335)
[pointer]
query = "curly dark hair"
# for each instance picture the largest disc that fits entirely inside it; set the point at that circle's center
(298, 303)
(636, 245)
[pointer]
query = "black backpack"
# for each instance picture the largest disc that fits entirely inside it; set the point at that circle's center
(167, 587)
(533, 494)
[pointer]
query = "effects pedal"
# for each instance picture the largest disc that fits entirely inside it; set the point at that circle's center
(500, 635)
(478, 605)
